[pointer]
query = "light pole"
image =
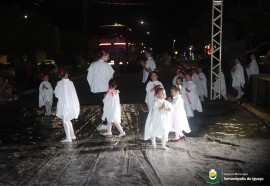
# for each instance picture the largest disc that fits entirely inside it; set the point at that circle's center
(173, 44)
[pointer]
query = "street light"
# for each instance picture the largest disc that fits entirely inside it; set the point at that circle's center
(25, 16)
(173, 44)
(142, 22)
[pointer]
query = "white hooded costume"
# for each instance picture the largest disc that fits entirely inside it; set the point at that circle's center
(179, 117)
(150, 97)
(68, 106)
(158, 122)
(253, 68)
(112, 111)
(192, 96)
(46, 96)
(238, 79)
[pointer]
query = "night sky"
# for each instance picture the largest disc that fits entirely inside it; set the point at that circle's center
(166, 20)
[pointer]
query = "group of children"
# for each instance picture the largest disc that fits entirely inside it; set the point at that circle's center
(170, 114)
(68, 106)
(165, 115)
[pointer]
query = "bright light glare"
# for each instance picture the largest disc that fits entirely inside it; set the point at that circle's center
(111, 62)
(104, 44)
(119, 43)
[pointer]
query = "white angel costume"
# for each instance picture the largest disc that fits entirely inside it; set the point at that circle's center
(150, 92)
(192, 97)
(189, 111)
(46, 96)
(150, 63)
(175, 78)
(253, 68)
(179, 117)
(222, 85)
(112, 111)
(203, 86)
(196, 81)
(68, 106)
(238, 79)
(158, 122)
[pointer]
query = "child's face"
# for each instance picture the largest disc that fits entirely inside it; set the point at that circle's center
(174, 93)
(66, 76)
(188, 77)
(147, 55)
(161, 94)
(46, 78)
(154, 77)
(179, 82)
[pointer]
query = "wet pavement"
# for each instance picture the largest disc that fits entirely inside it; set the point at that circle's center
(224, 137)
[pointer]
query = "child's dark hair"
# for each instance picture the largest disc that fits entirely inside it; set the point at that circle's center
(154, 72)
(239, 58)
(102, 53)
(64, 72)
(112, 83)
(158, 90)
(149, 51)
(176, 88)
(45, 75)
(180, 78)
(189, 74)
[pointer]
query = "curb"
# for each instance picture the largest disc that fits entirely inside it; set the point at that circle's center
(262, 115)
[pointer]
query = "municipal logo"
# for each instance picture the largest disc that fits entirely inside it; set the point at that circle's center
(213, 177)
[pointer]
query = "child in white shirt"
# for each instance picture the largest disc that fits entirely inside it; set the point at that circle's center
(46, 94)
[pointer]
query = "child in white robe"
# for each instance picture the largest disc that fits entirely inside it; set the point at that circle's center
(112, 110)
(159, 120)
(180, 84)
(238, 78)
(203, 85)
(150, 89)
(46, 94)
(179, 116)
(252, 67)
(191, 94)
(179, 73)
(222, 84)
(196, 81)
(68, 106)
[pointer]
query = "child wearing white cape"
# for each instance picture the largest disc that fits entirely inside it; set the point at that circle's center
(112, 110)
(179, 118)
(180, 84)
(68, 106)
(46, 94)
(159, 119)
(192, 95)
(150, 89)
